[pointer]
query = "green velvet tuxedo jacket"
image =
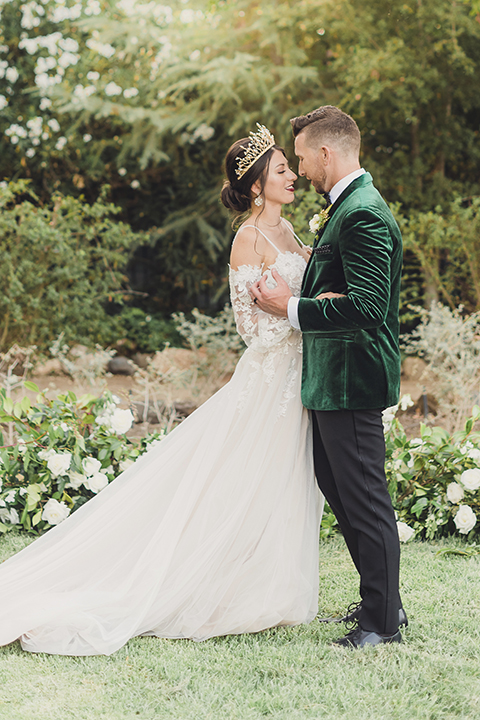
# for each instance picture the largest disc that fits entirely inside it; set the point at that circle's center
(351, 357)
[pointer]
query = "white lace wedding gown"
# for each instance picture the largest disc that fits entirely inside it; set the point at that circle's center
(212, 532)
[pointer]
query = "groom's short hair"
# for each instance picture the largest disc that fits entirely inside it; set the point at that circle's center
(328, 124)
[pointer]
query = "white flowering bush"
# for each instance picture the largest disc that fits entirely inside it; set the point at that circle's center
(66, 451)
(434, 479)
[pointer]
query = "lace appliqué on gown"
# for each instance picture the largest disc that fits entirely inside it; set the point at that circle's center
(267, 337)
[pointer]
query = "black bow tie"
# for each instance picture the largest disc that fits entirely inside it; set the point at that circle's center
(326, 197)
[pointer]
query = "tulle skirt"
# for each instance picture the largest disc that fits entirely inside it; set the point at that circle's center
(212, 532)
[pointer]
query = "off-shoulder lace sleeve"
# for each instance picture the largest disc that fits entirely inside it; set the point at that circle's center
(254, 326)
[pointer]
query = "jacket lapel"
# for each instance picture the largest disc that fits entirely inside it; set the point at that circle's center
(364, 179)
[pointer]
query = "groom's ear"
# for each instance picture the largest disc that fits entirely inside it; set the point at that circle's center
(325, 154)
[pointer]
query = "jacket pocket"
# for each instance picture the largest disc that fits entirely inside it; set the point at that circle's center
(322, 257)
(333, 355)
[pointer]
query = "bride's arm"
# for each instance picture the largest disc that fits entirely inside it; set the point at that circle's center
(246, 267)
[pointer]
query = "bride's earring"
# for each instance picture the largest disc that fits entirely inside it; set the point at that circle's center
(258, 200)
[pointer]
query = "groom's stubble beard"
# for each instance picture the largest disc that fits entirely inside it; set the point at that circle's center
(319, 182)
(318, 177)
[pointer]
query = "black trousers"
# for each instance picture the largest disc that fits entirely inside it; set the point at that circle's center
(349, 457)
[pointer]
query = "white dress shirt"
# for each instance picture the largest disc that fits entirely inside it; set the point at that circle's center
(334, 193)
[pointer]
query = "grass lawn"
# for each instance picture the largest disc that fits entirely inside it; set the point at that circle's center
(287, 674)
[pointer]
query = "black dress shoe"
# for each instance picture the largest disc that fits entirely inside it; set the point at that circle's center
(353, 616)
(360, 638)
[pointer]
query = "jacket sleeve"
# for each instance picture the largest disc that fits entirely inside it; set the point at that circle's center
(366, 247)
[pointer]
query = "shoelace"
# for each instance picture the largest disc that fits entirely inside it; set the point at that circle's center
(350, 619)
(350, 622)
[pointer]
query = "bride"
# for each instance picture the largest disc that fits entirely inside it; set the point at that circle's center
(214, 531)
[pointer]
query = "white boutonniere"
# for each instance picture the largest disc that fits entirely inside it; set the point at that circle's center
(318, 220)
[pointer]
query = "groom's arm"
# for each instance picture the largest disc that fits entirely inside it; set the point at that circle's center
(366, 247)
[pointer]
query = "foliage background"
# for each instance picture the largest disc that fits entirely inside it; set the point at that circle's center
(147, 98)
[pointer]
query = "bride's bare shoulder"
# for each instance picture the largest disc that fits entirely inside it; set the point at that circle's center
(247, 248)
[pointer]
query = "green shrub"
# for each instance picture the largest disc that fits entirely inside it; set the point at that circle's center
(147, 333)
(62, 264)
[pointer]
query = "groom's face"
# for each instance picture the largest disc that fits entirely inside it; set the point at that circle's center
(311, 164)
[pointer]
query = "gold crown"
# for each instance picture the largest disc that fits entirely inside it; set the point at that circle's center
(259, 143)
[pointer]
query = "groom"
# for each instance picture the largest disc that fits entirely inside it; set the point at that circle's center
(348, 314)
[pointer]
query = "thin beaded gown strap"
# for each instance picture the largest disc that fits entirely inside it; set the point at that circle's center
(261, 233)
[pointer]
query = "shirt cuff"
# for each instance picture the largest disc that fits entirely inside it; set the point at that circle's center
(292, 311)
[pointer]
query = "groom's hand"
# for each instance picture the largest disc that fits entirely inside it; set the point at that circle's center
(275, 300)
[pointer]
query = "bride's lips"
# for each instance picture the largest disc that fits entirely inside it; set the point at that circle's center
(290, 188)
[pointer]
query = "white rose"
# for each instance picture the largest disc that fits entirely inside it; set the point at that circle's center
(121, 421)
(10, 496)
(470, 479)
(388, 416)
(464, 448)
(125, 464)
(465, 519)
(474, 454)
(103, 420)
(455, 493)
(55, 512)
(96, 482)
(76, 479)
(406, 402)
(314, 223)
(416, 442)
(91, 466)
(14, 519)
(405, 532)
(46, 454)
(59, 463)
(9, 516)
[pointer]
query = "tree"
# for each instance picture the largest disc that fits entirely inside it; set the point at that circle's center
(148, 98)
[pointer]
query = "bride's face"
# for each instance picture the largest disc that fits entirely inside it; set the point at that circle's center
(278, 186)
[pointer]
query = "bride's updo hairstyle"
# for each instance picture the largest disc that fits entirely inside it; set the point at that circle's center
(236, 193)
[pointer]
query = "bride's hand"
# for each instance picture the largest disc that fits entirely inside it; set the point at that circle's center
(328, 296)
